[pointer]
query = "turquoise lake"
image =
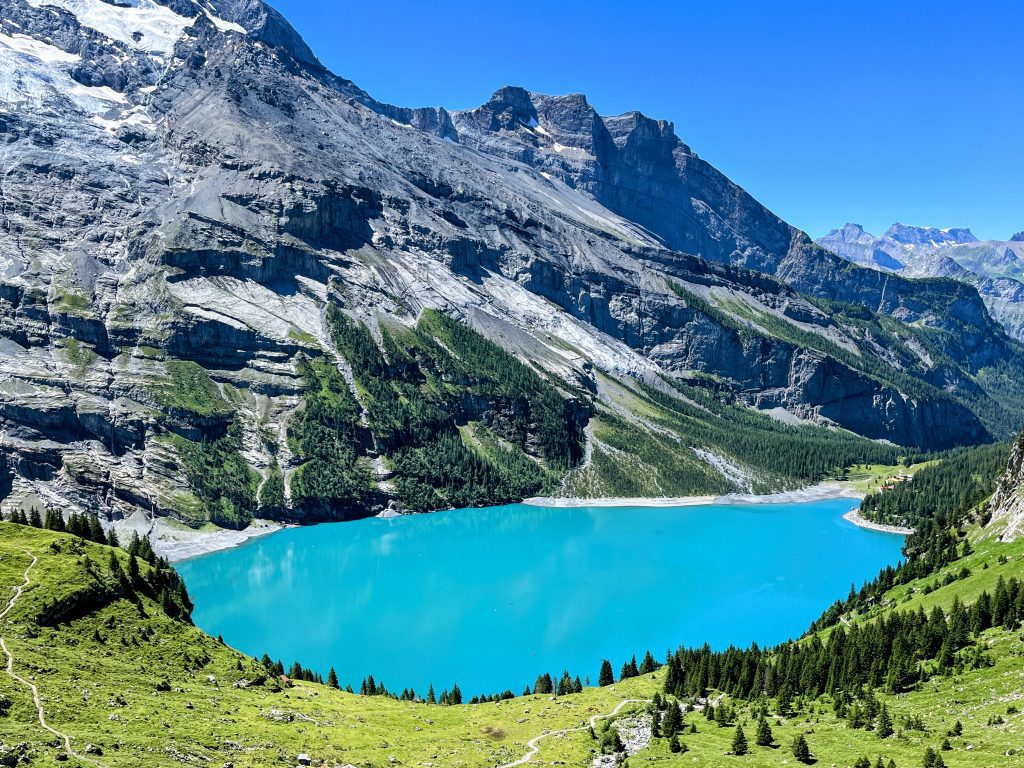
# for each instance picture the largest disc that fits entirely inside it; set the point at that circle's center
(490, 598)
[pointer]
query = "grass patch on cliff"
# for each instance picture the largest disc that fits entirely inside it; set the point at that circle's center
(189, 388)
(71, 302)
(77, 353)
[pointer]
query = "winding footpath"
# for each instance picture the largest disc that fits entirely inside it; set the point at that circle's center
(532, 744)
(18, 590)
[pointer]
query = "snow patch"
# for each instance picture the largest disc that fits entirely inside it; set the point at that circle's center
(135, 117)
(139, 24)
(225, 26)
(31, 71)
(102, 92)
(37, 49)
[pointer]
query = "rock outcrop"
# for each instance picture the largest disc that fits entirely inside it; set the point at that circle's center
(1007, 505)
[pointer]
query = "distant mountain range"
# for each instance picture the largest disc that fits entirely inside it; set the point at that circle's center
(229, 277)
(994, 267)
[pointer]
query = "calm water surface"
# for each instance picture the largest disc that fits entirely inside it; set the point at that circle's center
(491, 597)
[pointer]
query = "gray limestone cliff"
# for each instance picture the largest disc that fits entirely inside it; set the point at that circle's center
(187, 189)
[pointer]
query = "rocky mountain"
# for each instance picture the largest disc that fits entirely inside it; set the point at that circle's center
(1007, 505)
(994, 267)
(234, 284)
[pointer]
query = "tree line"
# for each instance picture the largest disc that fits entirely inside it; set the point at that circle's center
(957, 482)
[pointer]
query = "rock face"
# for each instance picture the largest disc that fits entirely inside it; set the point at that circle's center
(186, 190)
(994, 267)
(1007, 505)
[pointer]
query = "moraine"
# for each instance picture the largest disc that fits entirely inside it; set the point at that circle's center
(490, 598)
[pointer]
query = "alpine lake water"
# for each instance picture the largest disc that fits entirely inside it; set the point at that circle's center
(490, 598)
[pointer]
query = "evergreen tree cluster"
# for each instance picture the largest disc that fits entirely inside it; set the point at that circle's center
(326, 433)
(803, 453)
(943, 492)
(220, 476)
(895, 652)
(953, 489)
(420, 383)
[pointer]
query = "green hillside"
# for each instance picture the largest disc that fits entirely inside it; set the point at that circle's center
(115, 671)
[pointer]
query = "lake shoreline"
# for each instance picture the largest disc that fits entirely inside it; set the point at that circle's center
(820, 492)
(181, 543)
(854, 517)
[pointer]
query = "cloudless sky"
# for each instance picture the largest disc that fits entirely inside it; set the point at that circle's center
(827, 112)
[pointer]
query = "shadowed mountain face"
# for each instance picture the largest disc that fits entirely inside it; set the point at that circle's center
(186, 190)
(994, 267)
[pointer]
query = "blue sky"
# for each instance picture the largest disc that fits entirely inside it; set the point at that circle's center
(871, 112)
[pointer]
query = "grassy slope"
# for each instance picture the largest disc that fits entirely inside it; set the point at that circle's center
(140, 650)
(972, 697)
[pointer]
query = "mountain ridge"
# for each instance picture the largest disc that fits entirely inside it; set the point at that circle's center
(185, 207)
(994, 267)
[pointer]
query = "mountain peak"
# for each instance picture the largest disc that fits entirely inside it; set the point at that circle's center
(913, 235)
(848, 233)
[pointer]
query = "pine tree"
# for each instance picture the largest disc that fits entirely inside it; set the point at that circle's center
(765, 738)
(96, 530)
(565, 684)
(648, 665)
(672, 720)
(134, 576)
(544, 684)
(54, 520)
(929, 758)
(739, 742)
(332, 678)
(885, 729)
(456, 695)
(34, 519)
(112, 539)
(625, 673)
(115, 567)
(606, 676)
(674, 745)
(784, 700)
(721, 716)
(800, 749)
(431, 699)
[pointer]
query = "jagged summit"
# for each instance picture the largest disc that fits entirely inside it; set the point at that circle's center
(911, 235)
